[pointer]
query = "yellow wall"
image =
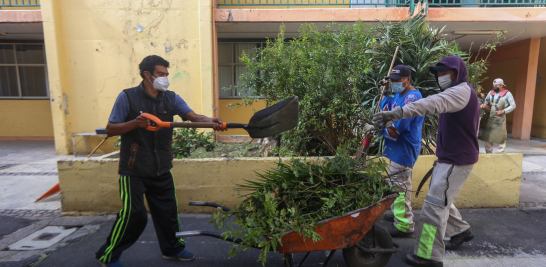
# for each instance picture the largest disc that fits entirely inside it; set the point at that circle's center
(508, 71)
(26, 118)
(238, 114)
(94, 48)
(92, 185)
(539, 109)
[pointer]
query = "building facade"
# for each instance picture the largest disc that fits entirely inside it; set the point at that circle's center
(63, 63)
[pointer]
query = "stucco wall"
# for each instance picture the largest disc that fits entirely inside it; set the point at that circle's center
(92, 185)
(94, 48)
(26, 118)
(238, 114)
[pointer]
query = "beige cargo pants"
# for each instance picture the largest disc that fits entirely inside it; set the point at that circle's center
(401, 207)
(489, 147)
(439, 217)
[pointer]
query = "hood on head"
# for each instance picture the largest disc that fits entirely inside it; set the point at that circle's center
(455, 63)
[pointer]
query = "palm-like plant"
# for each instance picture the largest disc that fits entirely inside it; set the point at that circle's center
(335, 73)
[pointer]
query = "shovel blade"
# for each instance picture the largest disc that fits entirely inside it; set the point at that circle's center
(275, 119)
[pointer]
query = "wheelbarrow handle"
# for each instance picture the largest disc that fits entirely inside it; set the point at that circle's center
(166, 124)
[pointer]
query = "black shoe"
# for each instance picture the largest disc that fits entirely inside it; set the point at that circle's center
(415, 260)
(389, 216)
(394, 232)
(457, 240)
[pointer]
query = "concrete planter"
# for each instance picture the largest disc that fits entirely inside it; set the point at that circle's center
(91, 186)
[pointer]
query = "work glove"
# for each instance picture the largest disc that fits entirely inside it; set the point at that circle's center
(384, 119)
(368, 129)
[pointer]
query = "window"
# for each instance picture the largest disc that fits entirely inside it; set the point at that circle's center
(23, 72)
(230, 67)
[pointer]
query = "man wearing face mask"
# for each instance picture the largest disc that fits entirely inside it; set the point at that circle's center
(498, 103)
(402, 147)
(457, 151)
(145, 163)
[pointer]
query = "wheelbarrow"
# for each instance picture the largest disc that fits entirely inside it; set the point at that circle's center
(363, 243)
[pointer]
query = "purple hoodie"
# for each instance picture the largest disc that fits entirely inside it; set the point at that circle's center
(457, 140)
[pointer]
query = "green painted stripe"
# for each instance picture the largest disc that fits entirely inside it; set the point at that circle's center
(400, 212)
(119, 223)
(427, 241)
(129, 203)
(177, 217)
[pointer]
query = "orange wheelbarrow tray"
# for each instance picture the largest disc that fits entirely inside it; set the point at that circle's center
(362, 242)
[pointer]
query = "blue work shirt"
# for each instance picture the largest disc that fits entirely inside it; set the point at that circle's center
(121, 108)
(403, 146)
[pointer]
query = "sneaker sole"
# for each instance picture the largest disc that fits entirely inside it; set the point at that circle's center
(180, 259)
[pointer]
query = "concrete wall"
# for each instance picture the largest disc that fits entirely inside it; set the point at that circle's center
(94, 48)
(92, 185)
(238, 114)
(26, 119)
(518, 63)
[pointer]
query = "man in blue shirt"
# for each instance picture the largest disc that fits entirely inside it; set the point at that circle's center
(402, 147)
(145, 164)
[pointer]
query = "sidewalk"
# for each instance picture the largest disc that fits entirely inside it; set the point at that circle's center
(504, 237)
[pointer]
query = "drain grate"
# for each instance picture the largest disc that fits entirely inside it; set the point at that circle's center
(43, 239)
(5, 166)
(28, 173)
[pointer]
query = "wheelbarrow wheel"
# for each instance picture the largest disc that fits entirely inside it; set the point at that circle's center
(377, 237)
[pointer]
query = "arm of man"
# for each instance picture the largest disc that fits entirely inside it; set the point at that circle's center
(117, 124)
(404, 124)
(512, 103)
(185, 112)
(451, 100)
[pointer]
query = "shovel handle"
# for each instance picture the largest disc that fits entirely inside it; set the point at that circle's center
(166, 124)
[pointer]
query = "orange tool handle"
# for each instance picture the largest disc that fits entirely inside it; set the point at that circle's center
(166, 124)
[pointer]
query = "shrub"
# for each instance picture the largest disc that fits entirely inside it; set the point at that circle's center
(335, 73)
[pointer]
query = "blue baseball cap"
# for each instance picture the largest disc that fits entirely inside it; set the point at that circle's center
(399, 72)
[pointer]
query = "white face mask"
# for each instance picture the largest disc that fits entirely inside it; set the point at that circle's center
(160, 83)
(445, 81)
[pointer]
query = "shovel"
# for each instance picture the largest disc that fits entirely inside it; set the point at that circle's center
(270, 121)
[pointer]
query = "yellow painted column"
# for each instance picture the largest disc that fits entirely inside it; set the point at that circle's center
(59, 97)
(206, 58)
(525, 96)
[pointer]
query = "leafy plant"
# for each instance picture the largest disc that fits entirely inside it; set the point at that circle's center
(186, 140)
(297, 195)
(335, 73)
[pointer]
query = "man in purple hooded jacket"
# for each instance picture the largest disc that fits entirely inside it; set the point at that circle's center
(457, 151)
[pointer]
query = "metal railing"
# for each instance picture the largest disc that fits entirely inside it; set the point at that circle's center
(381, 3)
(487, 3)
(19, 3)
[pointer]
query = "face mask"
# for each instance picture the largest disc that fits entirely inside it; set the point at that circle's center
(496, 89)
(397, 87)
(445, 81)
(160, 83)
